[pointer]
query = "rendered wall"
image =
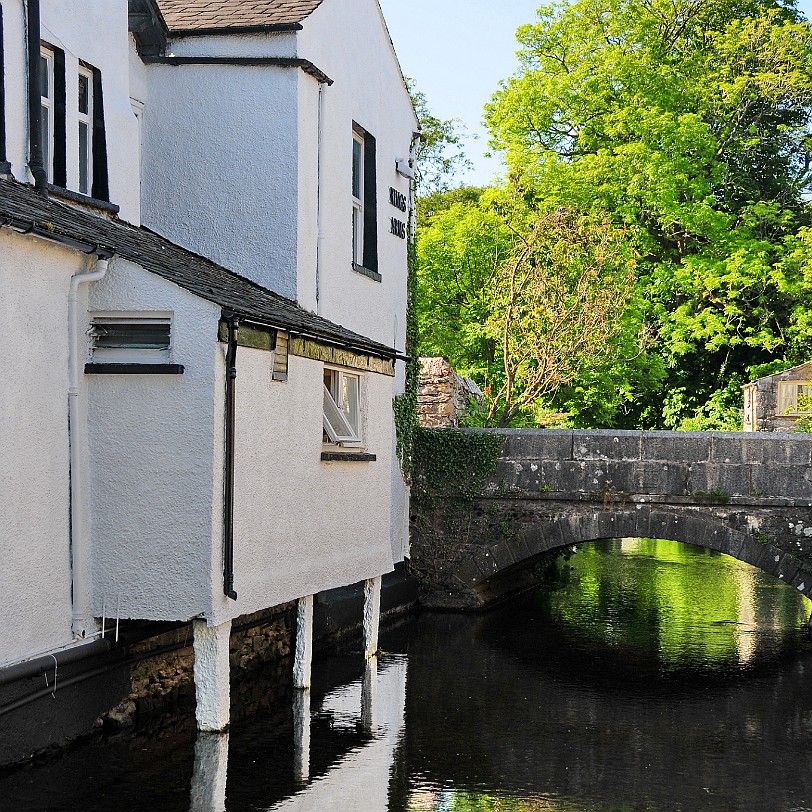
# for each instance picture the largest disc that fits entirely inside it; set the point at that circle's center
(35, 579)
(348, 40)
(94, 31)
(154, 465)
(302, 525)
(219, 166)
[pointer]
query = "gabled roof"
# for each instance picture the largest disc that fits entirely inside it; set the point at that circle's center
(209, 16)
(25, 211)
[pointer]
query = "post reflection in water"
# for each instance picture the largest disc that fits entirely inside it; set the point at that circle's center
(369, 693)
(301, 734)
(209, 776)
(359, 780)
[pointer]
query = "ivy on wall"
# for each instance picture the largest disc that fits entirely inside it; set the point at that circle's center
(449, 468)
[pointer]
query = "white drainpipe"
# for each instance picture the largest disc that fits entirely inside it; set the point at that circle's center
(80, 563)
(319, 217)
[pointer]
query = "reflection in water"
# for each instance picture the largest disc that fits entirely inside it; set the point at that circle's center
(658, 678)
(209, 776)
(301, 734)
(360, 779)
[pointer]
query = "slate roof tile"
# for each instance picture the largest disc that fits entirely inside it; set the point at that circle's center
(188, 16)
(23, 209)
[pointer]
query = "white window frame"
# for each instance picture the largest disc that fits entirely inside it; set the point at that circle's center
(788, 393)
(47, 108)
(131, 355)
(358, 202)
(336, 424)
(86, 119)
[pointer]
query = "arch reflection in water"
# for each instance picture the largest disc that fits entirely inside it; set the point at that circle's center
(360, 780)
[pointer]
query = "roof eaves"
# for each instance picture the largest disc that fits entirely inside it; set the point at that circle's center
(223, 31)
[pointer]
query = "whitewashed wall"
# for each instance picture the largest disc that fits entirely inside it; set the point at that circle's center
(302, 525)
(155, 460)
(348, 40)
(219, 166)
(35, 579)
(94, 31)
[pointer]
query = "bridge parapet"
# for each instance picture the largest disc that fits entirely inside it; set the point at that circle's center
(689, 466)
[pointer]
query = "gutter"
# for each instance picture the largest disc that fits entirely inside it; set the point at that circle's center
(274, 61)
(80, 559)
(35, 159)
(228, 477)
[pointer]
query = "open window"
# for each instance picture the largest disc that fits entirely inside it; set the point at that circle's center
(342, 407)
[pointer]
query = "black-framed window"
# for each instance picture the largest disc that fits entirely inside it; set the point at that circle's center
(4, 165)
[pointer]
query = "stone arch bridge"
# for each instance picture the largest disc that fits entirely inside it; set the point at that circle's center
(745, 494)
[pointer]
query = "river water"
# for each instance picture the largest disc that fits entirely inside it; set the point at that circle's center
(657, 676)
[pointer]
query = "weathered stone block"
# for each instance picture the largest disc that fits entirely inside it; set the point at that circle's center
(665, 478)
(671, 446)
(549, 444)
(607, 445)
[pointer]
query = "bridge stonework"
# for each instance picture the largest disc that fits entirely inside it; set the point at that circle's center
(747, 495)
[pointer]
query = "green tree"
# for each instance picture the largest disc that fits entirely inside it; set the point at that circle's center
(686, 122)
(439, 153)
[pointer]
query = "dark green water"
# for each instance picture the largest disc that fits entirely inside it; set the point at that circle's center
(658, 677)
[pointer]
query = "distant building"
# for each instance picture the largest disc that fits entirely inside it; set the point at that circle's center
(777, 402)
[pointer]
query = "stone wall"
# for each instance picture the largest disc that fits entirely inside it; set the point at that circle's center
(443, 395)
(161, 679)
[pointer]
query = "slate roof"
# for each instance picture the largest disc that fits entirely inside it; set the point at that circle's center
(194, 16)
(22, 209)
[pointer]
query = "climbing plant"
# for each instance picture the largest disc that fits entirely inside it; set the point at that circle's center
(449, 469)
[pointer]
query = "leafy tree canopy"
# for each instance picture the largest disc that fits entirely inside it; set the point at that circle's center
(686, 124)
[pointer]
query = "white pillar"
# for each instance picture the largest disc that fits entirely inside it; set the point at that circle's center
(303, 655)
(372, 615)
(209, 776)
(211, 675)
(301, 735)
(369, 694)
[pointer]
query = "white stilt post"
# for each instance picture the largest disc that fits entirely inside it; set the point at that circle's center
(301, 735)
(211, 675)
(209, 776)
(304, 642)
(369, 693)
(372, 615)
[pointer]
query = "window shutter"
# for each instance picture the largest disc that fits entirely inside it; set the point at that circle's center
(101, 189)
(60, 175)
(370, 205)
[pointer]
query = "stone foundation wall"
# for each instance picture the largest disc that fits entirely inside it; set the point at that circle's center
(161, 678)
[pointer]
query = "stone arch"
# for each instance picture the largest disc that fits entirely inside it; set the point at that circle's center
(497, 571)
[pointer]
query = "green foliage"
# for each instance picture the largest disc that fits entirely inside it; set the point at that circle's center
(439, 151)
(686, 123)
(449, 468)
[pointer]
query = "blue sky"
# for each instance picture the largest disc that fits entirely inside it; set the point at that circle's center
(458, 51)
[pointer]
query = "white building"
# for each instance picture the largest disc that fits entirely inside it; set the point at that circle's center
(206, 431)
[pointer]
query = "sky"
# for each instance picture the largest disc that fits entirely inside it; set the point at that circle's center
(457, 52)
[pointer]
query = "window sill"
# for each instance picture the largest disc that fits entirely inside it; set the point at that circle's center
(374, 275)
(84, 200)
(347, 456)
(133, 369)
